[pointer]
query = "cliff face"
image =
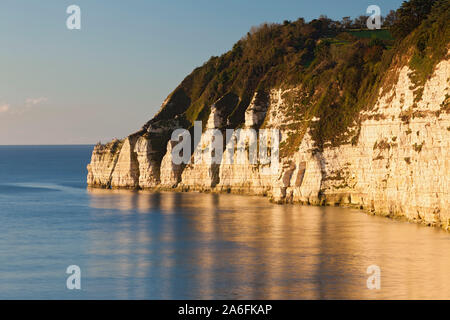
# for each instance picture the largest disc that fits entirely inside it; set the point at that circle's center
(398, 167)
(392, 158)
(103, 164)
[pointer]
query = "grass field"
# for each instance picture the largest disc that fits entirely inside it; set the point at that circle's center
(382, 34)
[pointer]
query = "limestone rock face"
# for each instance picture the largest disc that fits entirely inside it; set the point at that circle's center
(239, 173)
(256, 111)
(398, 164)
(301, 180)
(148, 166)
(398, 167)
(103, 162)
(202, 172)
(170, 172)
(126, 171)
(134, 162)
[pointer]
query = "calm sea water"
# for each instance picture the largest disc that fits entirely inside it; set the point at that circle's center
(145, 245)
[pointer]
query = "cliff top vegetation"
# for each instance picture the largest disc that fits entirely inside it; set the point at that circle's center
(340, 66)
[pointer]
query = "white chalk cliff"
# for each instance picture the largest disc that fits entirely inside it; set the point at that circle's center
(397, 165)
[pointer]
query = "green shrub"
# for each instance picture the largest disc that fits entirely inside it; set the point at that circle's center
(340, 69)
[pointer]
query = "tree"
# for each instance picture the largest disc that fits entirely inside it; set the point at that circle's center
(360, 22)
(390, 19)
(409, 16)
(346, 22)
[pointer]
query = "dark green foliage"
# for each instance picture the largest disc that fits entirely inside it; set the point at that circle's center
(410, 15)
(390, 19)
(339, 67)
(382, 34)
(430, 42)
(269, 55)
(177, 103)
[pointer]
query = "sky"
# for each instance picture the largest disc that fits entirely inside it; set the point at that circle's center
(104, 81)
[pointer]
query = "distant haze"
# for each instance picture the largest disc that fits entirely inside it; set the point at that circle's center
(60, 86)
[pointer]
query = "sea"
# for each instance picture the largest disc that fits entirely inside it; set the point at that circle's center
(61, 240)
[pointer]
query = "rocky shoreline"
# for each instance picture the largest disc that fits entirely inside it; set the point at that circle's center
(396, 168)
(361, 120)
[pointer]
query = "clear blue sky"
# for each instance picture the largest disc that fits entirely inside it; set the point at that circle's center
(60, 86)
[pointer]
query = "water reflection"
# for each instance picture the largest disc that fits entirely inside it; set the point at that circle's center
(209, 246)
